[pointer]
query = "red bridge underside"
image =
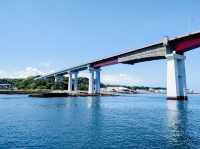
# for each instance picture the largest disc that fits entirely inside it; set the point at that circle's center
(105, 62)
(180, 45)
(187, 44)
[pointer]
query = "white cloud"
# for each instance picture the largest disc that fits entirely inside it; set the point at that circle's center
(27, 72)
(122, 79)
(117, 79)
(84, 74)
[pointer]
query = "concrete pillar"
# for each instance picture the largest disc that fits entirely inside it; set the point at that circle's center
(91, 82)
(98, 81)
(56, 78)
(59, 78)
(176, 77)
(76, 81)
(70, 82)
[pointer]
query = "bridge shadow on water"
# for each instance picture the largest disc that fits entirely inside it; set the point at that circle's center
(177, 124)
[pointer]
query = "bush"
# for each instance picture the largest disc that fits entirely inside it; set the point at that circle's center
(31, 84)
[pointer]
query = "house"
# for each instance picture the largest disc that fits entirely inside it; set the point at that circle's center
(4, 84)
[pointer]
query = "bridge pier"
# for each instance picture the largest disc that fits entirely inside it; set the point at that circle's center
(98, 81)
(94, 81)
(59, 78)
(70, 82)
(76, 81)
(91, 81)
(176, 77)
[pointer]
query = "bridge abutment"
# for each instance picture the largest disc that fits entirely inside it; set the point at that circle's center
(176, 77)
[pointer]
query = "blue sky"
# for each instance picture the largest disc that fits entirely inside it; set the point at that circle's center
(38, 36)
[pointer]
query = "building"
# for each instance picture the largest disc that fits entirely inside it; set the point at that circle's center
(5, 84)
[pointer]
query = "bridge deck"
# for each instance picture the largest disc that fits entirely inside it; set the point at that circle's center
(155, 51)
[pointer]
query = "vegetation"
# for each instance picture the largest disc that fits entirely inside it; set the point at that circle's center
(32, 84)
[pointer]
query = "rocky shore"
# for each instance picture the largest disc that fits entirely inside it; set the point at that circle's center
(10, 92)
(47, 95)
(50, 93)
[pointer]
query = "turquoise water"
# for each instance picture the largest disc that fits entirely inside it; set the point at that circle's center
(141, 121)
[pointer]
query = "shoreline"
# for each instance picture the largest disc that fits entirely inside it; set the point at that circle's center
(64, 93)
(11, 92)
(52, 93)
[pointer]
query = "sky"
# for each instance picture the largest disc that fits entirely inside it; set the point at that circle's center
(42, 36)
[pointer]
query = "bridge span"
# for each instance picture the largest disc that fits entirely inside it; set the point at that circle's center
(171, 49)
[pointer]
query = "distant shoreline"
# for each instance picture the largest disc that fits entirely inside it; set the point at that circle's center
(62, 93)
(52, 93)
(10, 92)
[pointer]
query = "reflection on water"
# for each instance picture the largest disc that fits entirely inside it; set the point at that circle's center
(95, 120)
(177, 123)
(99, 122)
(93, 102)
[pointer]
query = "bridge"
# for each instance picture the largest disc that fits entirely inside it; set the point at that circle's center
(171, 49)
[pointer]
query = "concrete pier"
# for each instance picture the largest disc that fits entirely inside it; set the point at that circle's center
(176, 77)
(70, 82)
(98, 81)
(91, 81)
(59, 78)
(76, 81)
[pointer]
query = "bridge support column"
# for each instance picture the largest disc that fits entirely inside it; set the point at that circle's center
(70, 82)
(59, 78)
(91, 82)
(98, 81)
(176, 77)
(76, 81)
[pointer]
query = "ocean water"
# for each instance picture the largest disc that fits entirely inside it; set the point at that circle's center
(138, 121)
